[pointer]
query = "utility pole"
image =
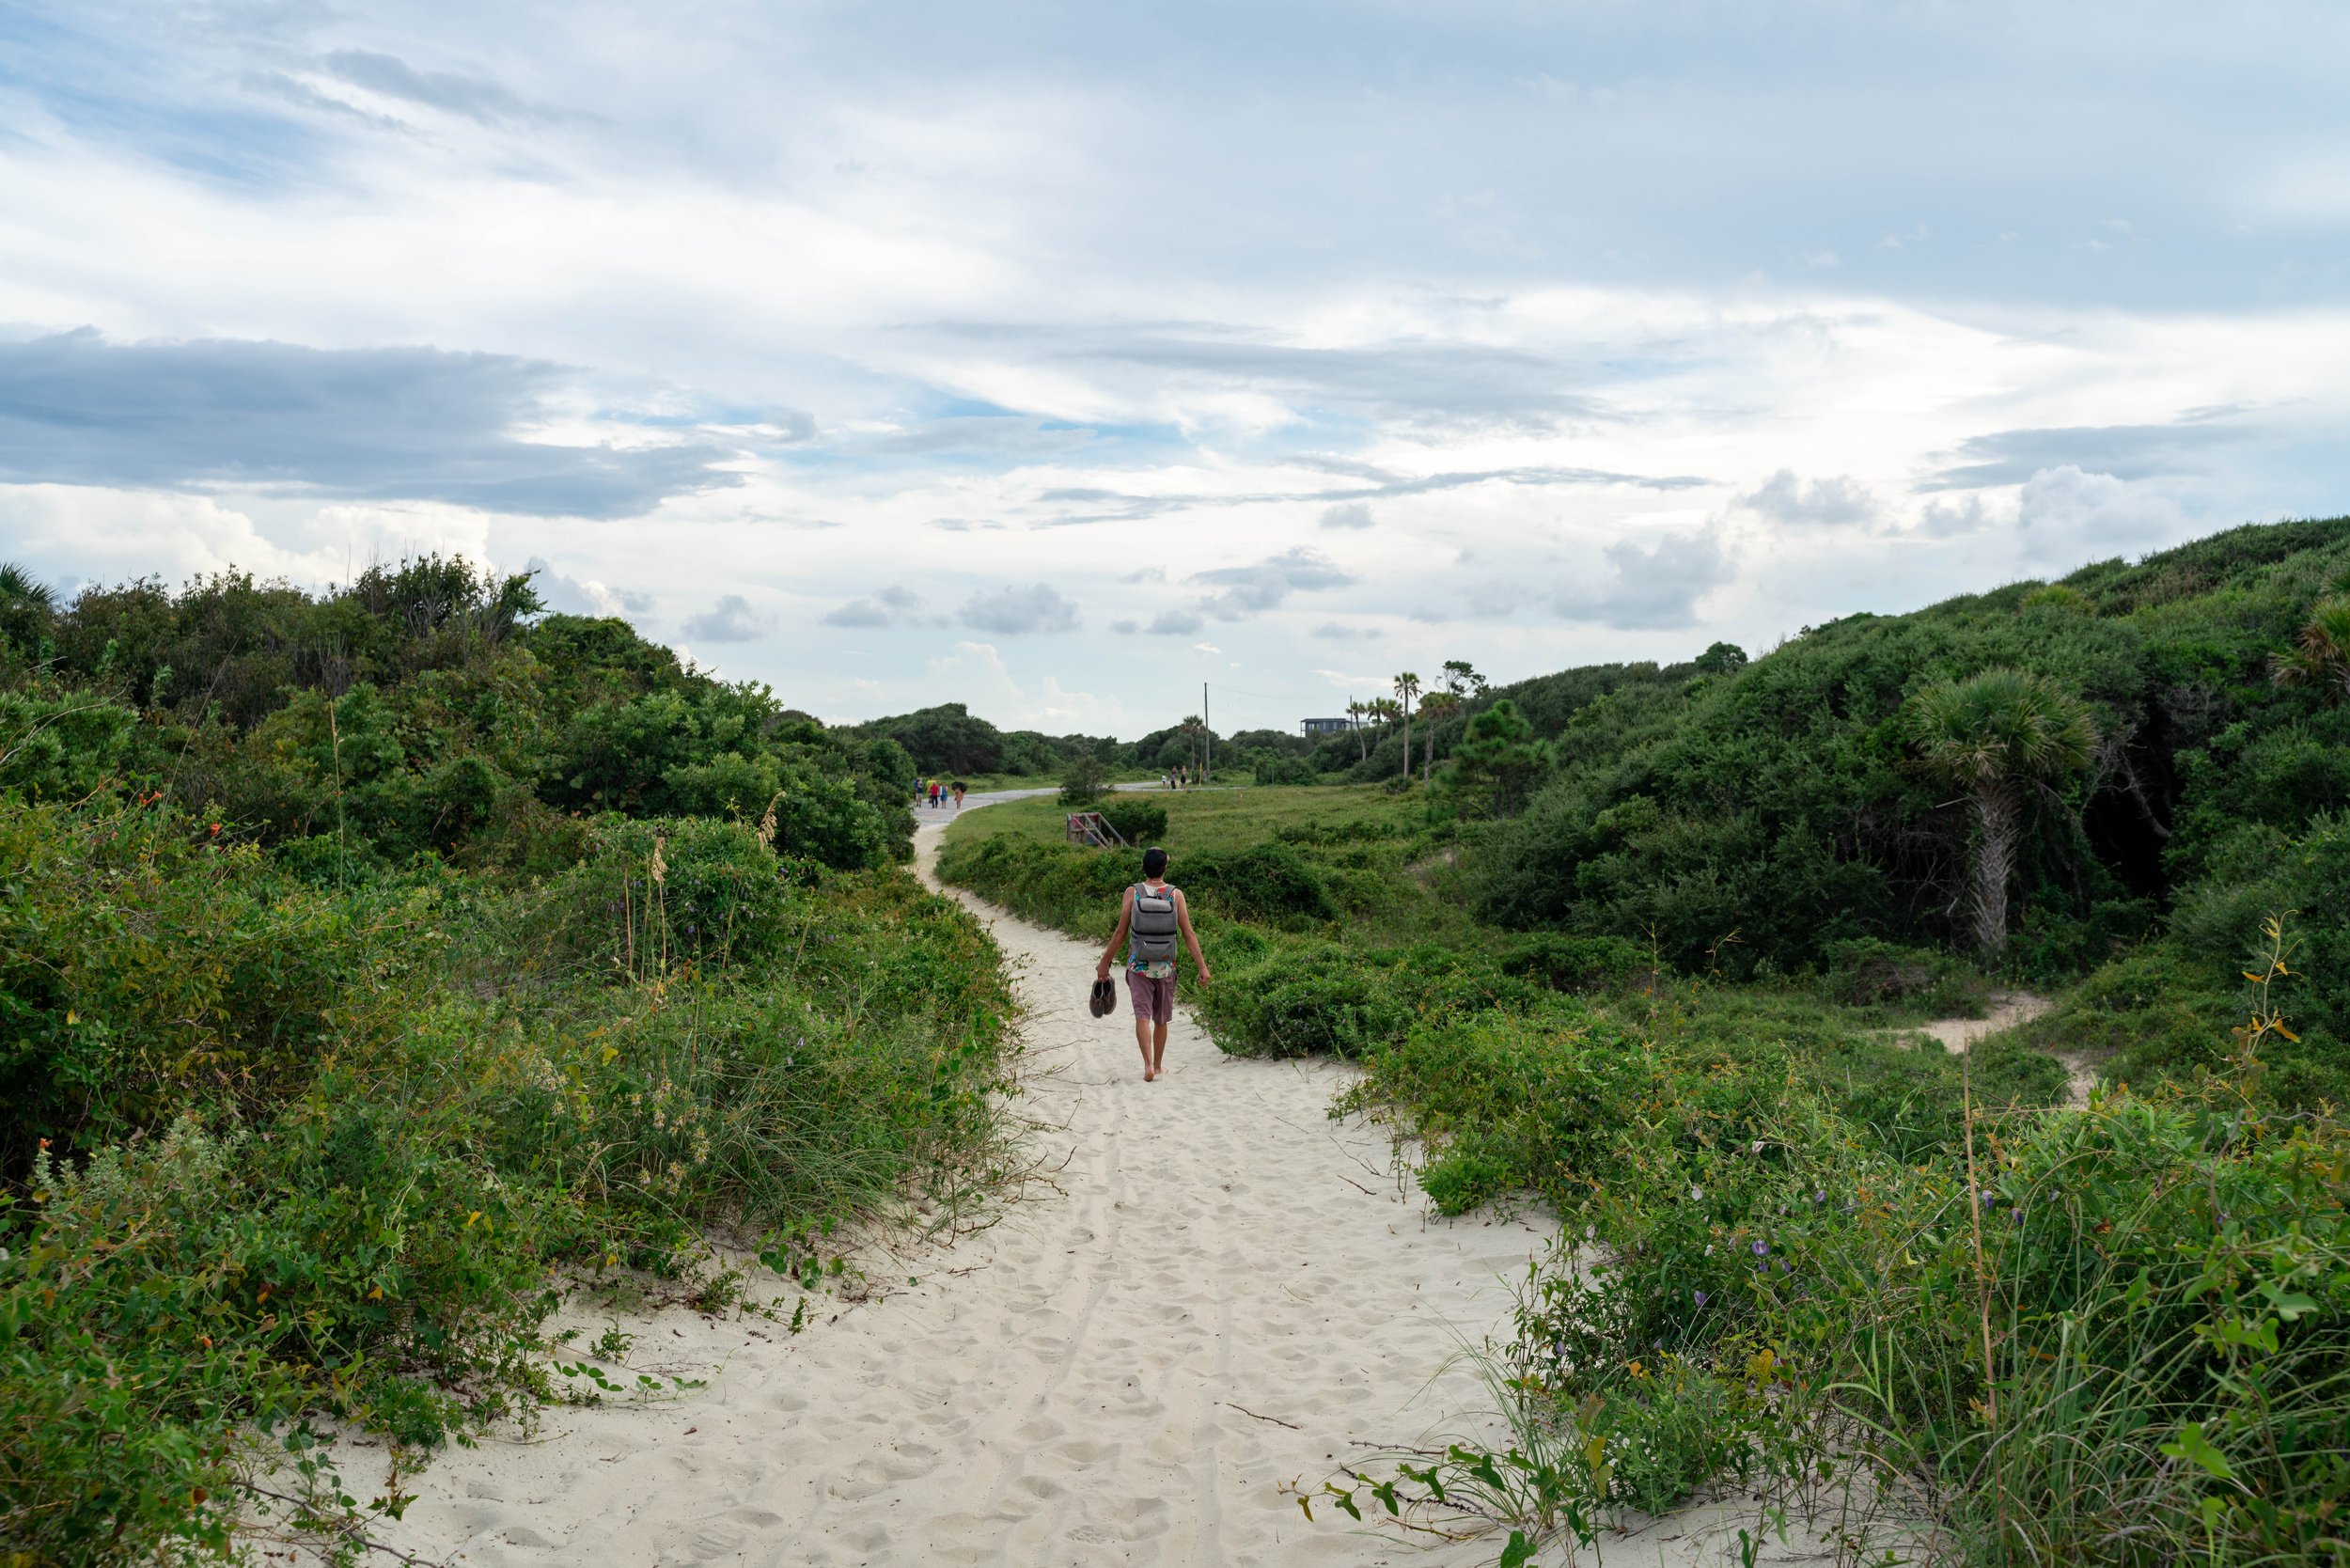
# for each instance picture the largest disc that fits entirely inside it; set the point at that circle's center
(1207, 738)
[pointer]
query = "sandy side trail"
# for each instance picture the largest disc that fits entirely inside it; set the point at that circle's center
(1228, 1291)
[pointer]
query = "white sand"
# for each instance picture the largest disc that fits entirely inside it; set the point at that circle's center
(1066, 1387)
(2008, 1009)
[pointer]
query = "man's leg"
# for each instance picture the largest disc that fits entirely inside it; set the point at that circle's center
(1158, 1048)
(1142, 1039)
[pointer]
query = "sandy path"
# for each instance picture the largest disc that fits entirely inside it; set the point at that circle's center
(1066, 1387)
(2008, 1010)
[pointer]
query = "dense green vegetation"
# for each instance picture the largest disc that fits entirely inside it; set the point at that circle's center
(1635, 953)
(376, 966)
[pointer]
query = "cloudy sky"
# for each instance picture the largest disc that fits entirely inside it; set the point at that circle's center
(1058, 358)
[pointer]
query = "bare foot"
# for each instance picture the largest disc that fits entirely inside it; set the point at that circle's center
(1147, 1074)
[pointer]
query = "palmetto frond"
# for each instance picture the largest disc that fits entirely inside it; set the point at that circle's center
(20, 587)
(2002, 725)
(2321, 654)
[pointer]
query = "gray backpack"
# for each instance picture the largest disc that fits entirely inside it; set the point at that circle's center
(1153, 929)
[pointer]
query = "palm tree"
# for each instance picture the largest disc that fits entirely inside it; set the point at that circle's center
(1435, 708)
(26, 604)
(1354, 712)
(1406, 688)
(1996, 734)
(2322, 654)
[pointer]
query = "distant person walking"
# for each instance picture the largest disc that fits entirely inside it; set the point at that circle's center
(1153, 913)
(960, 787)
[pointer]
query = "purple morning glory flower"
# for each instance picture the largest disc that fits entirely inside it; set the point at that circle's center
(1761, 1247)
(1700, 1295)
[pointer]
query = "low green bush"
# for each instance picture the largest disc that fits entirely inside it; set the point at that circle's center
(1272, 767)
(681, 888)
(1580, 963)
(2164, 1008)
(1267, 881)
(290, 1150)
(1140, 822)
(2126, 1341)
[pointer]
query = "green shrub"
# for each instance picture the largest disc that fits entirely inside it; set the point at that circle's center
(1138, 822)
(1580, 963)
(1267, 881)
(60, 745)
(330, 1146)
(653, 892)
(1272, 767)
(146, 966)
(2144, 1361)
(2165, 1009)
(1085, 782)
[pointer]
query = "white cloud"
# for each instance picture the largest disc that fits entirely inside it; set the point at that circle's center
(1018, 611)
(567, 595)
(732, 618)
(1347, 514)
(2069, 517)
(1657, 586)
(893, 605)
(1835, 500)
(1242, 591)
(1947, 518)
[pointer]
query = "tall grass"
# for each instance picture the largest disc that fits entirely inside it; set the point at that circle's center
(2124, 1339)
(294, 1148)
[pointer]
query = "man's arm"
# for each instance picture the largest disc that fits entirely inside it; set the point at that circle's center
(1125, 916)
(1182, 916)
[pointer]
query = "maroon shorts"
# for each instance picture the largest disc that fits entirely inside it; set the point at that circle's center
(1154, 999)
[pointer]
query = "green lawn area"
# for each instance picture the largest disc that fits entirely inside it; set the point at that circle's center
(1209, 819)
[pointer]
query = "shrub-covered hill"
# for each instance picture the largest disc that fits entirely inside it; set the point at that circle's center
(377, 966)
(427, 707)
(1780, 801)
(1783, 802)
(950, 739)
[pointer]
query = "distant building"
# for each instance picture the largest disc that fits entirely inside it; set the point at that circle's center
(1328, 726)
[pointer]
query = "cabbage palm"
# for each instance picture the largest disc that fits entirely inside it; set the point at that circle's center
(1996, 735)
(2322, 652)
(26, 606)
(1406, 688)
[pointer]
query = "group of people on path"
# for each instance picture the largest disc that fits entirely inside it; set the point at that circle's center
(938, 792)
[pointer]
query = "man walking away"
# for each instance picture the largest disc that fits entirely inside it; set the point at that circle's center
(1153, 913)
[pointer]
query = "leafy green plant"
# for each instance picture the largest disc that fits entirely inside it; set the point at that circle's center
(2321, 652)
(1138, 822)
(1996, 735)
(1273, 768)
(332, 1049)
(1499, 763)
(1084, 782)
